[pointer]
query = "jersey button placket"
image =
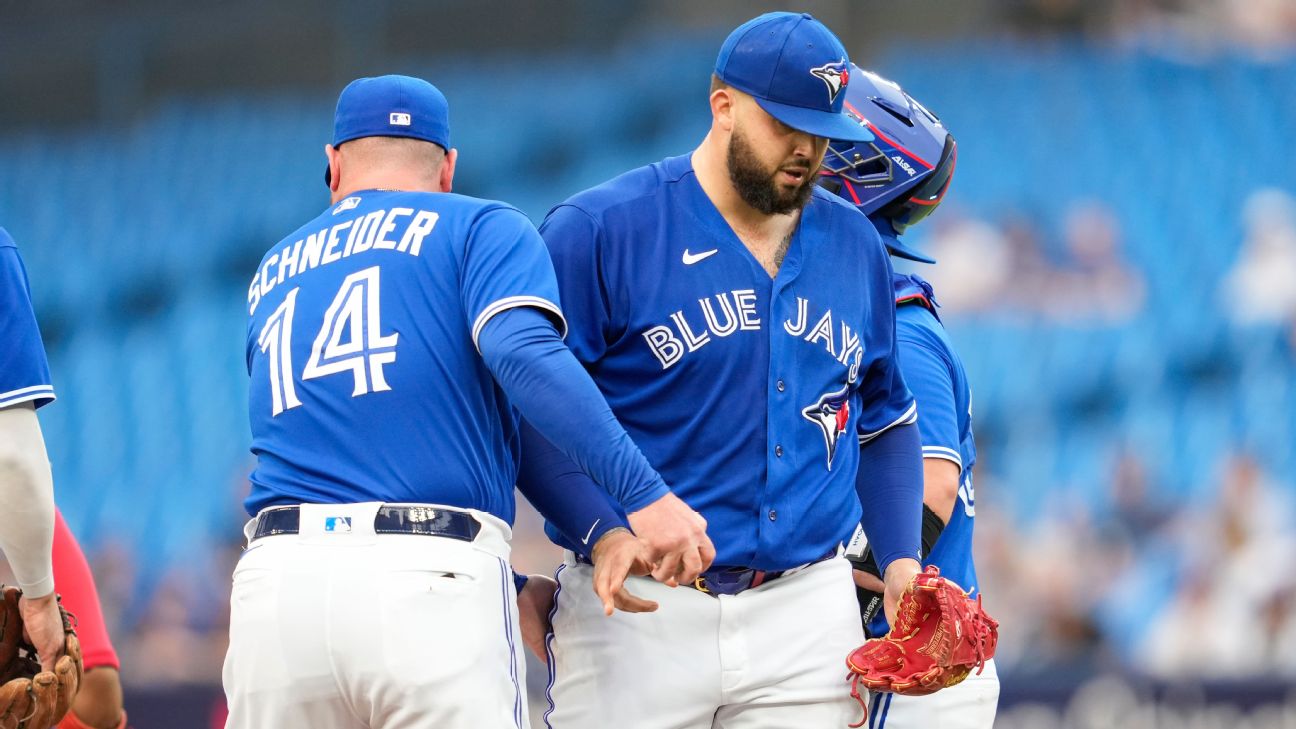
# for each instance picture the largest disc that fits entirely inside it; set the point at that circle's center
(778, 451)
(781, 386)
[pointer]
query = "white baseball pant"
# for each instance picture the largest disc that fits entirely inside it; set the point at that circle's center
(344, 630)
(772, 657)
(969, 705)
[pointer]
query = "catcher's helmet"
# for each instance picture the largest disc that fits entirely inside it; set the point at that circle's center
(902, 175)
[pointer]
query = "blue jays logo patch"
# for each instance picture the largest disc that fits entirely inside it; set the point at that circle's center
(835, 76)
(831, 412)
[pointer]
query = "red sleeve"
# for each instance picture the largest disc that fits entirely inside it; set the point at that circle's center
(73, 581)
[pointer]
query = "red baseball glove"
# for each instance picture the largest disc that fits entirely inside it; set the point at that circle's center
(29, 697)
(939, 636)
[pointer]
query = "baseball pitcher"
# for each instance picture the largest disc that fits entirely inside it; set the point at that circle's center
(739, 319)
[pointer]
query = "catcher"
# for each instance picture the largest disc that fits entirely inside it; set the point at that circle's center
(940, 634)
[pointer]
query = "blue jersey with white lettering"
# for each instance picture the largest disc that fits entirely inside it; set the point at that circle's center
(366, 381)
(935, 375)
(748, 394)
(24, 371)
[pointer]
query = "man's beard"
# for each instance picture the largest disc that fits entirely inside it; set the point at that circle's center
(757, 186)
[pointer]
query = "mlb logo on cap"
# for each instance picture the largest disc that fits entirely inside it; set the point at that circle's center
(399, 119)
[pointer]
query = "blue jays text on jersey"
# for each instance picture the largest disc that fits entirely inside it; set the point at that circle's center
(24, 371)
(935, 375)
(365, 381)
(748, 394)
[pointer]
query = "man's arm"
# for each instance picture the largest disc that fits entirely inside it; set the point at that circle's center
(563, 493)
(27, 526)
(26, 501)
(940, 490)
(524, 352)
(587, 517)
(890, 488)
(928, 368)
(558, 399)
(510, 296)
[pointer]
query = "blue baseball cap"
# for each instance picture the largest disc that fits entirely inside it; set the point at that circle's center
(797, 71)
(391, 106)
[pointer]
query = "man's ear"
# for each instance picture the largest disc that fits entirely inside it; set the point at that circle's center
(723, 108)
(335, 166)
(446, 180)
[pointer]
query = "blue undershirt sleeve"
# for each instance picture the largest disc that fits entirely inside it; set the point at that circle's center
(890, 487)
(553, 392)
(564, 494)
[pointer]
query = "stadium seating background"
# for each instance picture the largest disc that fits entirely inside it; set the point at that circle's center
(140, 239)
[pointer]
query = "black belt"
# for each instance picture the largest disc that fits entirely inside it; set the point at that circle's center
(426, 520)
(733, 580)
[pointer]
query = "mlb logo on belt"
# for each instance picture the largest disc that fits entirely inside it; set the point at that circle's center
(337, 524)
(399, 119)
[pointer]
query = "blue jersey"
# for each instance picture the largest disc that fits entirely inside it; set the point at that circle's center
(366, 381)
(935, 375)
(24, 371)
(748, 394)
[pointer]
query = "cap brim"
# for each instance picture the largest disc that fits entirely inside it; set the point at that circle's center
(826, 124)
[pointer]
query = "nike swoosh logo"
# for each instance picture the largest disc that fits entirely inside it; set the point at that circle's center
(692, 258)
(585, 541)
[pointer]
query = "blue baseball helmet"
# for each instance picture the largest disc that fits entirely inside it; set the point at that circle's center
(902, 175)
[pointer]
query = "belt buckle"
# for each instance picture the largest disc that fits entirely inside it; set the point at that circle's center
(699, 584)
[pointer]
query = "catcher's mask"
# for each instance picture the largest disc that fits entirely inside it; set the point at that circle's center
(903, 174)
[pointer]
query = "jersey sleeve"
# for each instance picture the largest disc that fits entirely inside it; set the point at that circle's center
(885, 400)
(928, 370)
(24, 370)
(574, 239)
(506, 266)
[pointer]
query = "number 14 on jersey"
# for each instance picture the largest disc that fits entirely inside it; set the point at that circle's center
(350, 340)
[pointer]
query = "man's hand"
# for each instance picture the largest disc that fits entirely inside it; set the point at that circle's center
(43, 627)
(898, 576)
(617, 555)
(676, 537)
(534, 604)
